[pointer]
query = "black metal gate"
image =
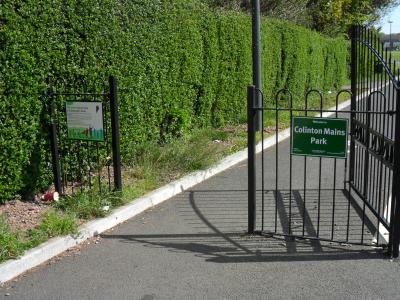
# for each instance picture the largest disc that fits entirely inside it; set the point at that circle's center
(352, 200)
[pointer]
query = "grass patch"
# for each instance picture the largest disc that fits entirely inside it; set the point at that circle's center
(153, 165)
(54, 224)
(89, 204)
(396, 55)
(10, 243)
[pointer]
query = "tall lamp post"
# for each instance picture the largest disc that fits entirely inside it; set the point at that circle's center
(390, 35)
(256, 17)
(254, 121)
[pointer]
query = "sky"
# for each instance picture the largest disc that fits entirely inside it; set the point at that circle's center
(394, 16)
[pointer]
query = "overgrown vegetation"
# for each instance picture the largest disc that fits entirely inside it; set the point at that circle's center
(156, 164)
(54, 224)
(90, 204)
(13, 244)
(180, 65)
(10, 246)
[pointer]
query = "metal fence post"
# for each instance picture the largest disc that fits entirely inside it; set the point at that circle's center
(251, 146)
(395, 220)
(353, 35)
(115, 134)
(54, 139)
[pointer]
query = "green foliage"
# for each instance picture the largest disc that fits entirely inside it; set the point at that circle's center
(337, 16)
(53, 224)
(89, 204)
(181, 65)
(171, 160)
(298, 59)
(10, 245)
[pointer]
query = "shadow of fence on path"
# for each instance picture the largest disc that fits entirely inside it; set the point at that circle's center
(208, 214)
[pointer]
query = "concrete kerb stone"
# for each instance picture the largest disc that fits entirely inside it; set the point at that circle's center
(55, 246)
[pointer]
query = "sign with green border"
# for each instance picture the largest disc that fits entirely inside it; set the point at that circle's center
(85, 120)
(323, 137)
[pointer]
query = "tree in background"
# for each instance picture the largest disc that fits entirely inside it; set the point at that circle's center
(333, 17)
(293, 10)
(328, 16)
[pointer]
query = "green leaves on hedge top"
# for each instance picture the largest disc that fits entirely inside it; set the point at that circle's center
(180, 65)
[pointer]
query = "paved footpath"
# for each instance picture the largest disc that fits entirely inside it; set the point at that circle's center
(194, 247)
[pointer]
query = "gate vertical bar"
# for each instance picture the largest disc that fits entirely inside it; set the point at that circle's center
(354, 64)
(395, 222)
(251, 148)
(115, 134)
(366, 174)
(54, 140)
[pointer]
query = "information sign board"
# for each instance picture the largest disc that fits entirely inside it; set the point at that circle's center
(85, 120)
(324, 137)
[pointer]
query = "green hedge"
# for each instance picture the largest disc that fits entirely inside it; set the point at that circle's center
(179, 63)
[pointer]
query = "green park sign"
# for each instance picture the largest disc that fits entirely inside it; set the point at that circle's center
(326, 137)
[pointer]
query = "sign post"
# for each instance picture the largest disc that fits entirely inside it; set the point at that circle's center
(322, 137)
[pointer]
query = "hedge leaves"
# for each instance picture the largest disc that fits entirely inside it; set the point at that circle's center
(180, 65)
